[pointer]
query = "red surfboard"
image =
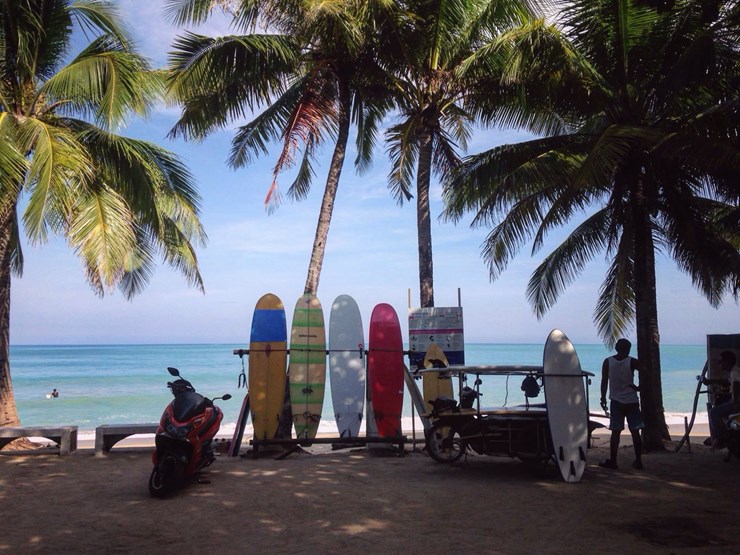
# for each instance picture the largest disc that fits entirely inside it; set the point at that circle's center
(385, 370)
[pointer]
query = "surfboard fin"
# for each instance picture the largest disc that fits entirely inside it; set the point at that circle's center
(562, 454)
(582, 454)
(572, 468)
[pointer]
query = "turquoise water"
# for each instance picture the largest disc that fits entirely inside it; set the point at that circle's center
(102, 384)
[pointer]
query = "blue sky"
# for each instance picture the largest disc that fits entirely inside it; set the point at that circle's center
(371, 255)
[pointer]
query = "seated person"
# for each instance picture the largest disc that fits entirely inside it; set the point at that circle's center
(723, 409)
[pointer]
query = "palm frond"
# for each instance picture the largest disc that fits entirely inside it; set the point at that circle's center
(451, 26)
(99, 17)
(138, 268)
(524, 167)
(444, 156)
(13, 163)
(313, 115)
(102, 235)
(16, 249)
(208, 77)
(34, 40)
(563, 265)
(701, 246)
(368, 116)
(302, 184)
(58, 158)
(403, 152)
(179, 252)
(615, 308)
(196, 12)
(252, 139)
(143, 173)
(105, 81)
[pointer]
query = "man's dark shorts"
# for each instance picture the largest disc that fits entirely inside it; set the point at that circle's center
(619, 411)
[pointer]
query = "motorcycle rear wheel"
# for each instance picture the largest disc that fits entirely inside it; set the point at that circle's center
(445, 444)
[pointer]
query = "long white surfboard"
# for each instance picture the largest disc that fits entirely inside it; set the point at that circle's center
(347, 365)
(567, 410)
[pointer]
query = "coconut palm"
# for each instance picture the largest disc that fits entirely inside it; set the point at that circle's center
(118, 202)
(313, 75)
(648, 155)
(433, 79)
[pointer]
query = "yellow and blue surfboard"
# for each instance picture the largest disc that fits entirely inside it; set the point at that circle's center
(267, 362)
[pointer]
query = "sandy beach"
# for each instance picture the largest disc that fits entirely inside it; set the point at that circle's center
(324, 501)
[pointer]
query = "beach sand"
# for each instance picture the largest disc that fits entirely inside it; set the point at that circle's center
(350, 501)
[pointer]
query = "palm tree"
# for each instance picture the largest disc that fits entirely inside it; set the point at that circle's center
(119, 202)
(314, 72)
(648, 153)
(432, 79)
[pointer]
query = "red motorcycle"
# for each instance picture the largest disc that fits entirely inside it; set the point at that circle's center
(184, 439)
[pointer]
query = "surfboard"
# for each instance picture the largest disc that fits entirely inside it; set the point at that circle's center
(241, 423)
(267, 361)
(435, 384)
(385, 370)
(567, 410)
(307, 368)
(347, 365)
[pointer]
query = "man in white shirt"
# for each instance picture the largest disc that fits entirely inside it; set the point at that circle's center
(617, 374)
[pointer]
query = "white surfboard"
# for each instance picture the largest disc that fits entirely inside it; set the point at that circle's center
(567, 410)
(347, 365)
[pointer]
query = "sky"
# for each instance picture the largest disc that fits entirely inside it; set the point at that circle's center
(371, 254)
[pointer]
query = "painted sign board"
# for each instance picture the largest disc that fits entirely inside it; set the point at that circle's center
(440, 325)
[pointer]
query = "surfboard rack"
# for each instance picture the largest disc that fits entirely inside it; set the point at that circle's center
(361, 352)
(344, 441)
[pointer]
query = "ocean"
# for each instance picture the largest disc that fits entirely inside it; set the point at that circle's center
(114, 384)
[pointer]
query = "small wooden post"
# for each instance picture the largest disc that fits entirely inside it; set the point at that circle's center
(413, 426)
(686, 428)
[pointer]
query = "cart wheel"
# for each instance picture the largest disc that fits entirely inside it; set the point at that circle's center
(444, 443)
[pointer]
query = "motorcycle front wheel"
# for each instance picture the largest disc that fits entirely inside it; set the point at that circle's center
(444, 443)
(165, 477)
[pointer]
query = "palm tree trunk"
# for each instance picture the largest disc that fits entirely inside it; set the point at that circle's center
(8, 410)
(330, 193)
(423, 221)
(648, 335)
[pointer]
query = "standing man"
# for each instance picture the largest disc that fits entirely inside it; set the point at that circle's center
(617, 373)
